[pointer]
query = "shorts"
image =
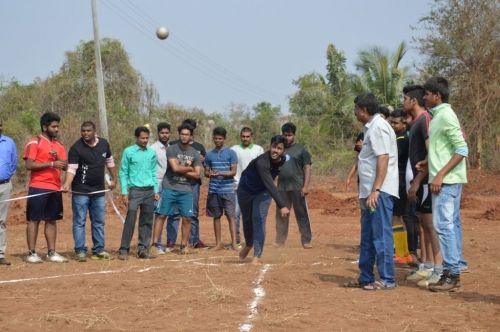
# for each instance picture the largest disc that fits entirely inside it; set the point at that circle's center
(173, 202)
(424, 199)
(47, 207)
(400, 204)
(219, 203)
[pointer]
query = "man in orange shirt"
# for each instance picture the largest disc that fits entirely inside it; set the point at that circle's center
(45, 157)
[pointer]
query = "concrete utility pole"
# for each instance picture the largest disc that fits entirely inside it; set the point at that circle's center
(101, 99)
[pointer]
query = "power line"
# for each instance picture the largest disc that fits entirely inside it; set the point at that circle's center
(186, 56)
(186, 46)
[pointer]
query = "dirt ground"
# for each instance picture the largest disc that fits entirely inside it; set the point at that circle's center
(295, 290)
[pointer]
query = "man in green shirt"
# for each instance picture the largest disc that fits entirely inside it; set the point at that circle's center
(139, 188)
(447, 174)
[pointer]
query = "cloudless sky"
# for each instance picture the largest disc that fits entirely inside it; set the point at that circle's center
(219, 51)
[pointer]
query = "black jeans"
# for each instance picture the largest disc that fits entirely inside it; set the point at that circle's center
(143, 199)
(298, 202)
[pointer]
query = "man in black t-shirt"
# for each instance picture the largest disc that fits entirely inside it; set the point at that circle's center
(87, 159)
(431, 268)
(255, 190)
(293, 185)
(400, 214)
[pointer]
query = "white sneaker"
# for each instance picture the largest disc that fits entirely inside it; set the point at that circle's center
(169, 249)
(56, 258)
(419, 275)
(33, 258)
(431, 280)
(157, 250)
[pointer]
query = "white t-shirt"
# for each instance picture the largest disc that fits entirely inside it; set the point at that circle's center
(245, 156)
(161, 159)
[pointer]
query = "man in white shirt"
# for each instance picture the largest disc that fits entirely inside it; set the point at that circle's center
(378, 184)
(246, 152)
(160, 147)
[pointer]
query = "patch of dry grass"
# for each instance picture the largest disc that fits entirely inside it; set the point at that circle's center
(92, 320)
(218, 294)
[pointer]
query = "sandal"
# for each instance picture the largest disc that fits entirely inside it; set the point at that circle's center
(377, 285)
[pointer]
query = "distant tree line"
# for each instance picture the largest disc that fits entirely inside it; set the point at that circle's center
(460, 41)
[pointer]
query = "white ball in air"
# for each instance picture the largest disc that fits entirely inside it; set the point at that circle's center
(162, 33)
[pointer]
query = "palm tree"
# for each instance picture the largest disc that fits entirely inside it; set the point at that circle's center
(380, 74)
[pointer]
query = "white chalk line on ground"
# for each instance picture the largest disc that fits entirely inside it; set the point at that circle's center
(141, 270)
(259, 293)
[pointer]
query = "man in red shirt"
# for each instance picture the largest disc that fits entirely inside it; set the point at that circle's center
(45, 157)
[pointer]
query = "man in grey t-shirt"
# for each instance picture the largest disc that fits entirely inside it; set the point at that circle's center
(378, 184)
(184, 167)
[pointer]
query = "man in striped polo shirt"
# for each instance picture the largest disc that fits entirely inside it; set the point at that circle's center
(220, 167)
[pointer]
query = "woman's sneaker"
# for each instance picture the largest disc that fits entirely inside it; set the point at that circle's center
(33, 258)
(56, 258)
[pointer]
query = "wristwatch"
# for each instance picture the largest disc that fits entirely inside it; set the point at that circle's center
(376, 189)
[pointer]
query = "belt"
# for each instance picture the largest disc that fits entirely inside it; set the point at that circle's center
(5, 181)
(142, 188)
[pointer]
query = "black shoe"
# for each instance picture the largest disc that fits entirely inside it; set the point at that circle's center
(448, 283)
(3, 261)
(145, 255)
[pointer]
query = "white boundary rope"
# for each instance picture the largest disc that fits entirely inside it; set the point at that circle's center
(110, 197)
(141, 270)
(53, 191)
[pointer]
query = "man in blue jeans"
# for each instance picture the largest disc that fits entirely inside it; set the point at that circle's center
(378, 185)
(246, 152)
(87, 159)
(255, 189)
(447, 174)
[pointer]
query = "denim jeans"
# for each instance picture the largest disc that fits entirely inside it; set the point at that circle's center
(377, 243)
(254, 209)
(172, 227)
(448, 226)
(237, 216)
(173, 221)
(95, 205)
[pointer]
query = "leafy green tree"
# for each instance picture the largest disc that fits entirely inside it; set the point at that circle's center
(265, 123)
(71, 92)
(380, 73)
(338, 122)
(461, 42)
(336, 72)
(312, 99)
